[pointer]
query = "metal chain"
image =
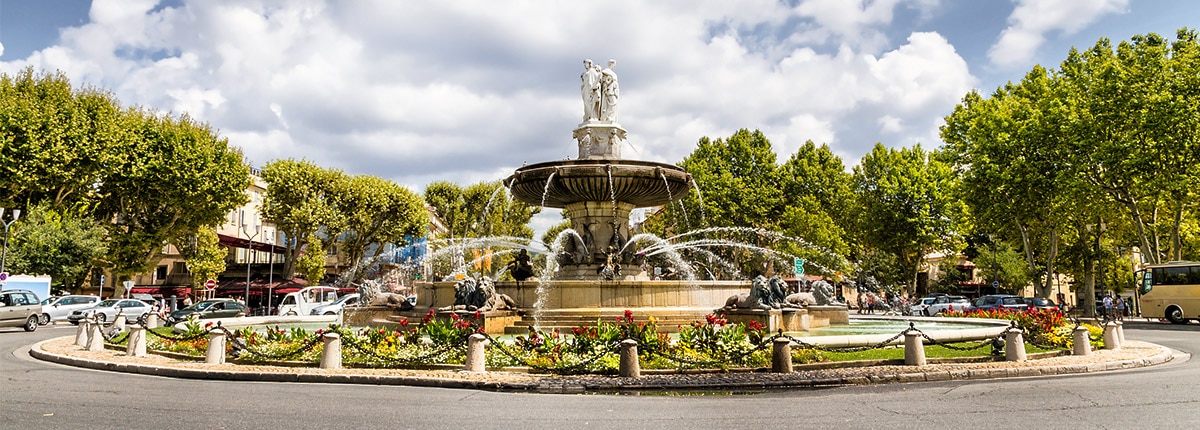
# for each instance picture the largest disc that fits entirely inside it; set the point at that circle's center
(239, 346)
(807, 345)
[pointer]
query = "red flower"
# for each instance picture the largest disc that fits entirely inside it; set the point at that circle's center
(712, 319)
(755, 325)
(320, 331)
(629, 315)
(478, 315)
(209, 324)
(404, 322)
(454, 316)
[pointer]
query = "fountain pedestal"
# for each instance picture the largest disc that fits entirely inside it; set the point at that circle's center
(599, 140)
(776, 319)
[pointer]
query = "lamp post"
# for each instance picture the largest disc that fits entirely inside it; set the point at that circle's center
(249, 247)
(16, 213)
(271, 271)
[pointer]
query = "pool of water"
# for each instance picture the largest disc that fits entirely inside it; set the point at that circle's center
(860, 326)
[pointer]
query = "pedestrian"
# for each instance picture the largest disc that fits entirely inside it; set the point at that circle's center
(862, 302)
(1120, 307)
(187, 301)
(1108, 306)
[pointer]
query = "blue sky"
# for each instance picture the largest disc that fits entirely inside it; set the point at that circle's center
(417, 91)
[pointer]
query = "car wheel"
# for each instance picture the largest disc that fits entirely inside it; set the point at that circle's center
(45, 319)
(925, 312)
(100, 317)
(290, 313)
(32, 323)
(1175, 315)
(330, 313)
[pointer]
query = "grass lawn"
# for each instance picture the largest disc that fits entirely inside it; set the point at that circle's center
(931, 351)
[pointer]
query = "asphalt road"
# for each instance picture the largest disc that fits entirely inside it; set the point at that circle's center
(40, 395)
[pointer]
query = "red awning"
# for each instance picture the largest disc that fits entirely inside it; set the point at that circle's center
(164, 291)
(239, 242)
(259, 285)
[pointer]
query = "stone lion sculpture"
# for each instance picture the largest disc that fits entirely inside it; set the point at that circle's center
(481, 295)
(758, 298)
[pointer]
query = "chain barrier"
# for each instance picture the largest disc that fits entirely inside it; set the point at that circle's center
(612, 348)
(201, 335)
(351, 341)
(807, 345)
(735, 357)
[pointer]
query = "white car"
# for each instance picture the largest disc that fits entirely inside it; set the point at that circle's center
(337, 306)
(60, 308)
(919, 307)
(302, 302)
(109, 309)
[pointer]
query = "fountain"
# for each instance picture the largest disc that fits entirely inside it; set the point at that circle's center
(595, 268)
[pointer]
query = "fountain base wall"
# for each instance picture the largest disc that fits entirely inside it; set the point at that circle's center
(563, 294)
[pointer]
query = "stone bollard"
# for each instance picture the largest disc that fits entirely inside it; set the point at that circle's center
(331, 356)
(1014, 345)
(81, 333)
(914, 349)
(781, 356)
(629, 360)
(136, 347)
(1082, 342)
(95, 337)
(1121, 332)
(1111, 339)
(119, 323)
(216, 348)
(476, 349)
(152, 321)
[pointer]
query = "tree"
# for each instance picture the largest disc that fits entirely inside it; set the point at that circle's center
(63, 244)
(56, 142)
(169, 178)
(905, 205)
(1010, 153)
(311, 265)
(375, 211)
(203, 254)
(817, 198)
(299, 201)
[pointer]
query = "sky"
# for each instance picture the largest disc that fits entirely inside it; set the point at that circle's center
(468, 91)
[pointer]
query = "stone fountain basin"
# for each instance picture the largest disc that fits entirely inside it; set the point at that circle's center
(640, 183)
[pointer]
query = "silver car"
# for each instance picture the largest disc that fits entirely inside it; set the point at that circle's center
(109, 309)
(59, 308)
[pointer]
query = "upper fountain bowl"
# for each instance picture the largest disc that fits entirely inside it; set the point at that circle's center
(640, 183)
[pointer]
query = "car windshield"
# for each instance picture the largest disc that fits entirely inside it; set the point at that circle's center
(202, 306)
(1038, 301)
(342, 299)
(108, 303)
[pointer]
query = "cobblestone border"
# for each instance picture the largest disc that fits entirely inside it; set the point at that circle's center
(737, 382)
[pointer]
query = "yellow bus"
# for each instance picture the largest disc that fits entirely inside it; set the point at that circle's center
(1171, 290)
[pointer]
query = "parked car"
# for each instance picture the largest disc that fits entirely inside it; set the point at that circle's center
(1000, 301)
(337, 306)
(20, 308)
(947, 303)
(61, 307)
(1039, 303)
(212, 308)
(302, 302)
(918, 308)
(108, 310)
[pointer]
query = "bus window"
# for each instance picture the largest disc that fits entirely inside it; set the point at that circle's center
(1145, 282)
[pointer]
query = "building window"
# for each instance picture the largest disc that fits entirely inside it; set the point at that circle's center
(160, 273)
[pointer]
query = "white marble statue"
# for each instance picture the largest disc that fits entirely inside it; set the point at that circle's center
(610, 91)
(590, 89)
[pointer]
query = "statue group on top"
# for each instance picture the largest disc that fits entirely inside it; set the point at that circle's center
(600, 92)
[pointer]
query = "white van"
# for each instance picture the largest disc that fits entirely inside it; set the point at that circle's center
(302, 302)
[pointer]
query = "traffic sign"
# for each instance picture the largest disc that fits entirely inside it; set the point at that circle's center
(210, 284)
(995, 284)
(799, 266)
(3, 276)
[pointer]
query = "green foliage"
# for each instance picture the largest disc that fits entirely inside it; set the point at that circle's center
(311, 265)
(299, 201)
(203, 254)
(61, 243)
(906, 205)
(375, 211)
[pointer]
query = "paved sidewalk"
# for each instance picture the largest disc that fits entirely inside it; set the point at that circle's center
(1134, 354)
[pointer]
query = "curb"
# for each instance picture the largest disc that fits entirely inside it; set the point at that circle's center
(754, 382)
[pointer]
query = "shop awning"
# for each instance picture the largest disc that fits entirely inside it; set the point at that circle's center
(161, 291)
(241, 242)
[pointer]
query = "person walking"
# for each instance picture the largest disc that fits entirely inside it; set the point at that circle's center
(1108, 306)
(1120, 308)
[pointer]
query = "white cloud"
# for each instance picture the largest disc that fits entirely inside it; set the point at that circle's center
(423, 91)
(1031, 20)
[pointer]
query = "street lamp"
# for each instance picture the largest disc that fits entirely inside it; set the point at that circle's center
(249, 247)
(16, 213)
(271, 272)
